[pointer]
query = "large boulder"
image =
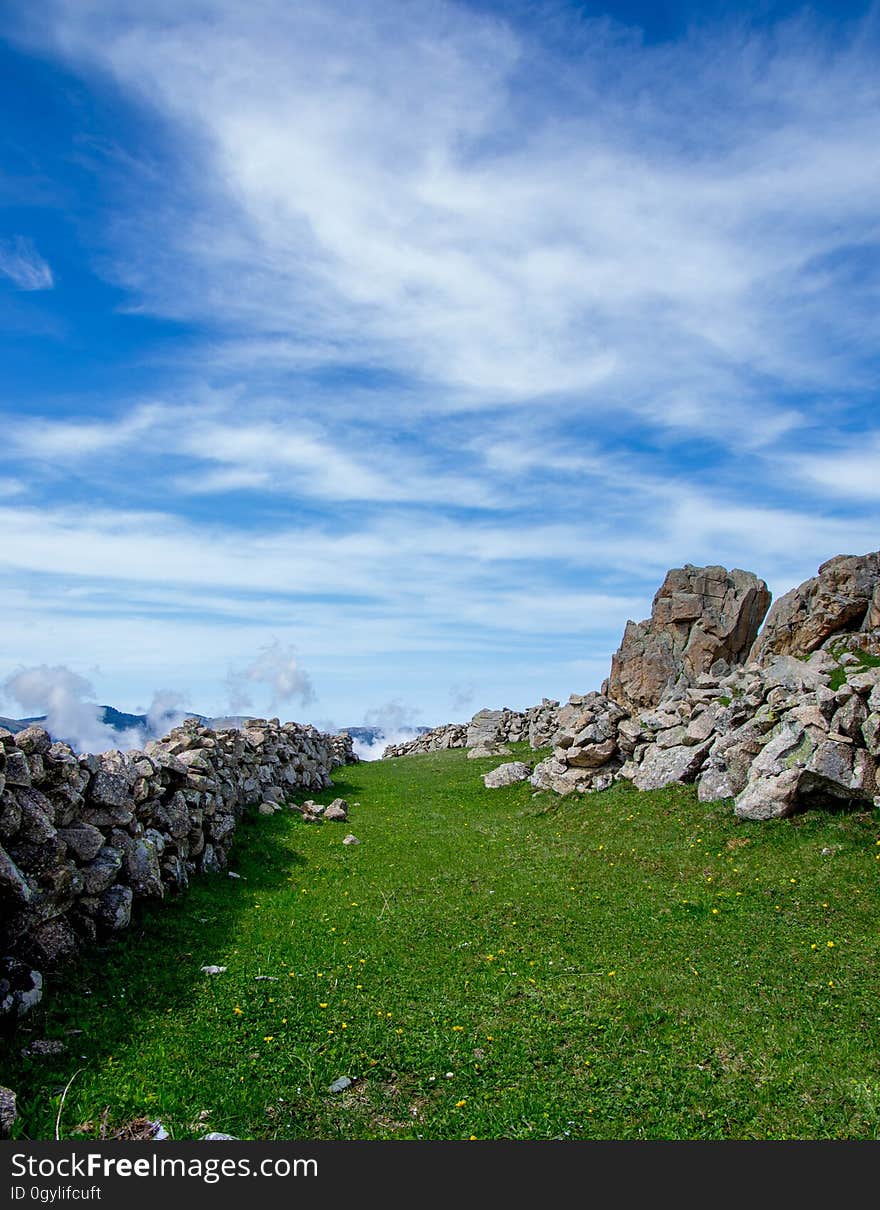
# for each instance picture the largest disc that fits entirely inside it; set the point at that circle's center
(842, 599)
(506, 775)
(700, 616)
(803, 766)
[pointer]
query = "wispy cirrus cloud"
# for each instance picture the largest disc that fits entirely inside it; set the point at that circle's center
(374, 199)
(23, 265)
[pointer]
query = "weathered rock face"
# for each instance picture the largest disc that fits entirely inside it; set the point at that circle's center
(84, 838)
(701, 618)
(844, 598)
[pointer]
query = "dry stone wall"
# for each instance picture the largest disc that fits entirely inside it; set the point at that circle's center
(83, 838)
(776, 739)
(487, 729)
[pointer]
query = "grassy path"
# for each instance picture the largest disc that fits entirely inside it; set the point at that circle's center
(488, 964)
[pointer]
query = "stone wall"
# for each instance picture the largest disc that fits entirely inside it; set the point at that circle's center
(777, 739)
(487, 729)
(82, 838)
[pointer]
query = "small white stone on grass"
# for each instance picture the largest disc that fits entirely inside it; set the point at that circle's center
(213, 970)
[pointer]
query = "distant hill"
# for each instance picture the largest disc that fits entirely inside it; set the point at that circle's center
(19, 724)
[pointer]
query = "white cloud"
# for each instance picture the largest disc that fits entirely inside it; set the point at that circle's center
(848, 470)
(23, 265)
(397, 189)
(276, 668)
(61, 695)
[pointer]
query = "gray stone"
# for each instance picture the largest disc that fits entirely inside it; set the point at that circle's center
(8, 1112)
(871, 734)
(484, 751)
(484, 728)
(45, 1048)
(109, 790)
(506, 775)
(213, 860)
(341, 1084)
(337, 812)
(769, 797)
(18, 771)
(350, 840)
(21, 988)
(700, 728)
(102, 871)
(848, 719)
(113, 911)
(52, 943)
(789, 673)
(14, 887)
(865, 682)
(593, 756)
(672, 737)
(140, 865)
(552, 774)
(33, 739)
(662, 766)
(83, 840)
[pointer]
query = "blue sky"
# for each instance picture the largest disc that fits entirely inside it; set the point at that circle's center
(401, 347)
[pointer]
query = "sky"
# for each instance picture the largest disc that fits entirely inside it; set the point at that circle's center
(374, 362)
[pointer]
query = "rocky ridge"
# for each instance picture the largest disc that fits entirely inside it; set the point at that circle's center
(778, 720)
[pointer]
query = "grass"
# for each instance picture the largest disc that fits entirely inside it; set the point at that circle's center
(865, 661)
(488, 964)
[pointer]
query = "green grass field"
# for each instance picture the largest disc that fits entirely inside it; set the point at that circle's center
(488, 964)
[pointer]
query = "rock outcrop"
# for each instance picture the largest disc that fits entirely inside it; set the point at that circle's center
(777, 739)
(83, 838)
(778, 734)
(843, 599)
(702, 618)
